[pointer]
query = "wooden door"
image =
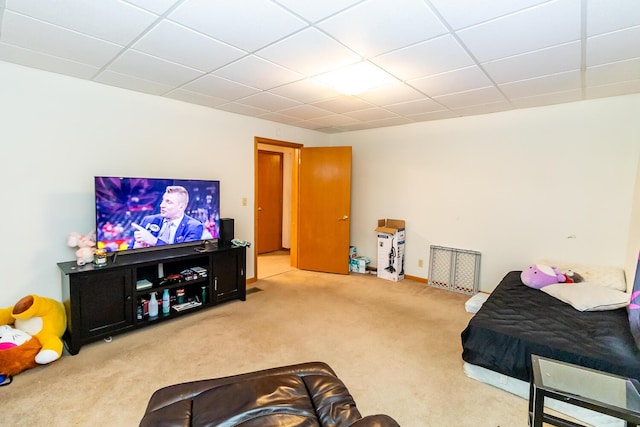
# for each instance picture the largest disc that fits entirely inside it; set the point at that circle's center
(324, 209)
(269, 201)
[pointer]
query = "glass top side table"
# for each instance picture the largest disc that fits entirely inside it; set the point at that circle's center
(599, 391)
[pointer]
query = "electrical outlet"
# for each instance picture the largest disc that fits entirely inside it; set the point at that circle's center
(244, 201)
(420, 263)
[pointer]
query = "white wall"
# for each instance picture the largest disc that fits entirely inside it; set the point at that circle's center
(58, 133)
(633, 248)
(516, 186)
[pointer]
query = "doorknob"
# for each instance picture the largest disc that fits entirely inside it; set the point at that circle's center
(344, 218)
(259, 209)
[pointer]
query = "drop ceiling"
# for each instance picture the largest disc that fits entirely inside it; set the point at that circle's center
(262, 58)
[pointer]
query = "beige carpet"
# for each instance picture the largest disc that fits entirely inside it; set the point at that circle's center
(395, 345)
(273, 263)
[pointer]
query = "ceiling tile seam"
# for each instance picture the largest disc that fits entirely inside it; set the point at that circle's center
(475, 60)
(143, 33)
(583, 48)
(313, 23)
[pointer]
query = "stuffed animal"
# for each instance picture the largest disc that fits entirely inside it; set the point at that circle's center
(86, 246)
(44, 319)
(573, 277)
(18, 351)
(540, 275)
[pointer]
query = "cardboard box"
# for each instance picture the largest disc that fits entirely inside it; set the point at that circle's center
(391, 243)
(359, 264)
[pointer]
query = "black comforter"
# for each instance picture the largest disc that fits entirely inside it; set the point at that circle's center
(517, 321)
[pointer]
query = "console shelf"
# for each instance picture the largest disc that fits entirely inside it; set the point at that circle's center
(105, 301)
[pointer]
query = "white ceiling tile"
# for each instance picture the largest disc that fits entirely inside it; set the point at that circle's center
(45, 62)
(246, 110)
(551, 60)
(247, 24)
(257, 72)
(149, 67)
(377, 26)
(156, 6)
(371, 114)
(616, 89)
(469, 98)
(110, 20)
(615, 46)
(184, 46)
(545, 84)
(306, 91)
(454, 81)
(335, 120)
(195, 98)
(132, 83)
(306, 112)
(484, 108)
(424, 59)
(268, 101)
(343, 104)
(220, 88)
(436, 115)
(39, 36)
(606, 15)
(613, 72)
(390, 121)
(390, 94)
(314, 11)
(279, 117)
(309, 52)
(463, 13)
(542, 26)
(548, 99)
(415, 107)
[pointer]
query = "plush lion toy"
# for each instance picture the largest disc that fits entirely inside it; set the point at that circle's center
(44, 319)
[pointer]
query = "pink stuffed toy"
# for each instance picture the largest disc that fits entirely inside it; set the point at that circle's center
(85, 244)
(540, 275)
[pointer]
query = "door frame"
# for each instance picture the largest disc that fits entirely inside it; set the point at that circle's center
(294, 197)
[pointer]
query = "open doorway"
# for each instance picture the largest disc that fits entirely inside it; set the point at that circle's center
(274, 184)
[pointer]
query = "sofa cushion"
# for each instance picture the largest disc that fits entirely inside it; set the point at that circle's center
(272, 400)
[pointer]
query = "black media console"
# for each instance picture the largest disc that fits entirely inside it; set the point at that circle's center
(101, 301)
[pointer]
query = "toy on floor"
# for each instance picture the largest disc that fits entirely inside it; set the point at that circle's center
(540, 275)
(18, 351)
(44, 319)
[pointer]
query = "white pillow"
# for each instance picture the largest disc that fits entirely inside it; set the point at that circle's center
(608, 277)
(585, 296)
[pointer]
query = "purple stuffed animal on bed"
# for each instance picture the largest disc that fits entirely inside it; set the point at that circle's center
(540, 275)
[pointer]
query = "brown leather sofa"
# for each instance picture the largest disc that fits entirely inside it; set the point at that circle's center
(307, 394)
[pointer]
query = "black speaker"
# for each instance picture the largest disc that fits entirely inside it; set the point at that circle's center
(226, 231)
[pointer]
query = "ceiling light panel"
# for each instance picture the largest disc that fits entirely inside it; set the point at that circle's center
(309, 52)
(229, 21)
(378, 26)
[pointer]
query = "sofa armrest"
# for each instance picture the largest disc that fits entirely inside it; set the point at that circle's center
(379, 420)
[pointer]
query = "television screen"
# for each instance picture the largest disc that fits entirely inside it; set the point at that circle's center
(138, 213)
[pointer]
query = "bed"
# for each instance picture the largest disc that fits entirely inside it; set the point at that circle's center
(517, 321)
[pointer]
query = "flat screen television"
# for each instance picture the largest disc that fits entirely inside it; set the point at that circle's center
(146, 213)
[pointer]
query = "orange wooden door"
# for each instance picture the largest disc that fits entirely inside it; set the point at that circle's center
(269, 201)
(324, 208)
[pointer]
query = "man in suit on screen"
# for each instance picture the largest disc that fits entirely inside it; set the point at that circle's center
(171, 225)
